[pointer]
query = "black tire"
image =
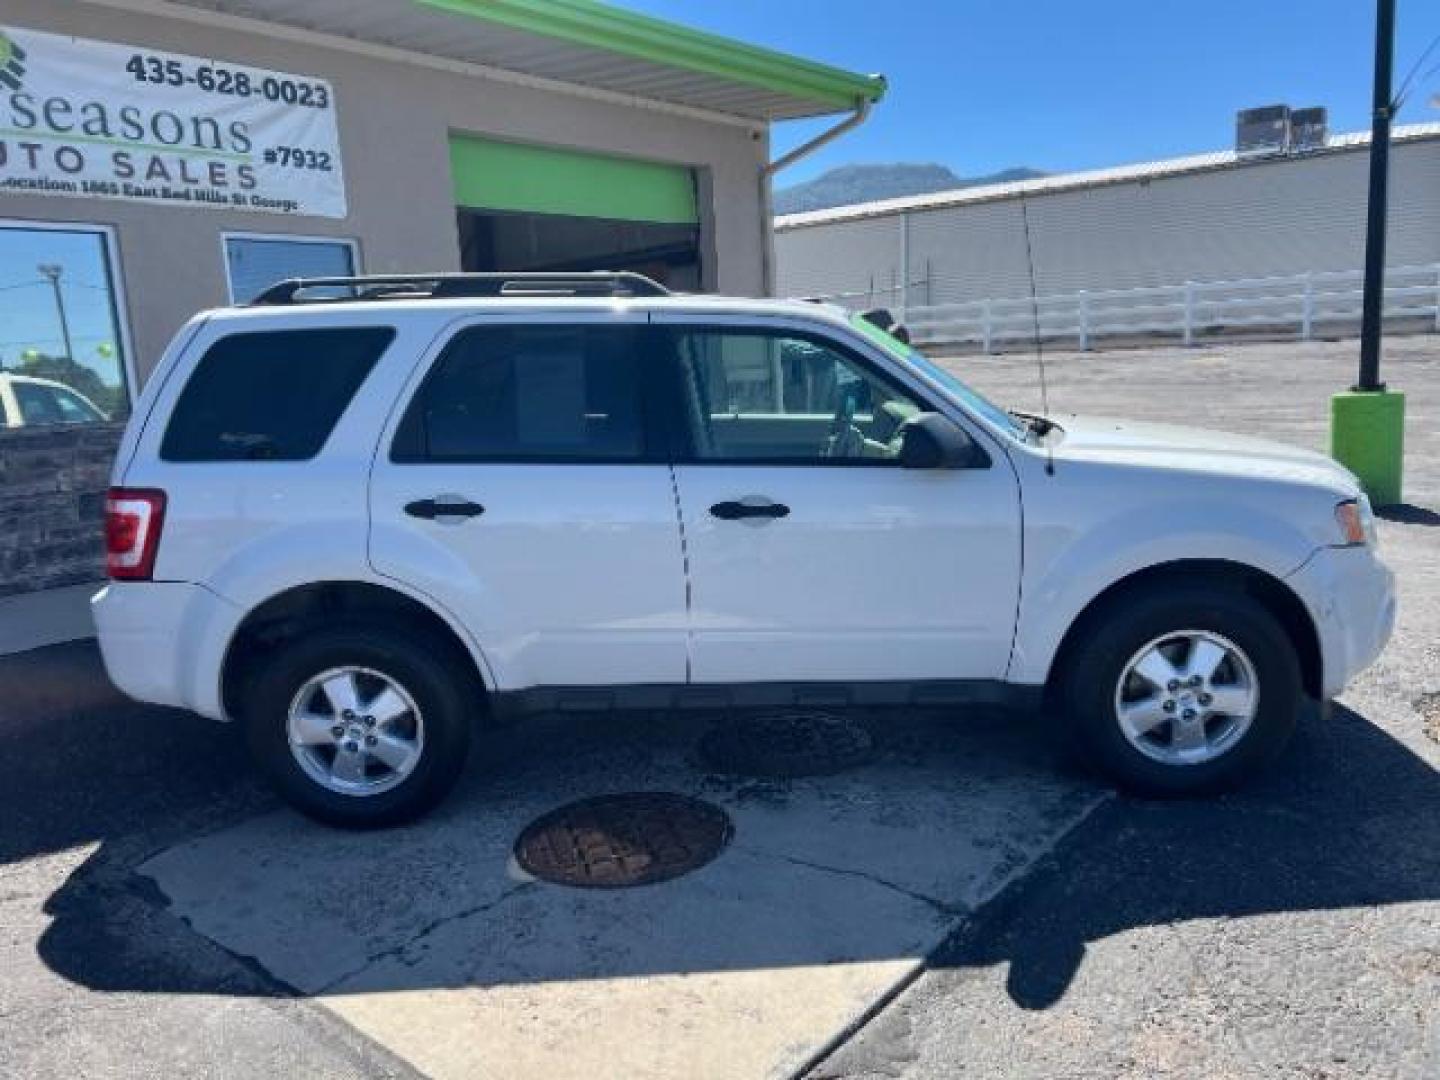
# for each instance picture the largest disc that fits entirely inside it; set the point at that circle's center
(1108, 641)
(426, 670)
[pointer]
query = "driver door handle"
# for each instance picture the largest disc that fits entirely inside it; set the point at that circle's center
(736, 511)
(443, 507)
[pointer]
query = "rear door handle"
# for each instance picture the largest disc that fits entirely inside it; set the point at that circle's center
(447, 509)
(749, 508)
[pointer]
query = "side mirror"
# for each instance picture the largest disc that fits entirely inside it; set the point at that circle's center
(882, 318)
(932, 441)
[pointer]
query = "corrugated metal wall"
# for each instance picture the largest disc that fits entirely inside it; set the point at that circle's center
(1266, 218)
(849, 256)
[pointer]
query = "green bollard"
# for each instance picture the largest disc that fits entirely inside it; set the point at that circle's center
(1367, 436)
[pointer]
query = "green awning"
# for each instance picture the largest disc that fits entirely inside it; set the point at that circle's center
(601, 27)
(587, 44)
(494, 175)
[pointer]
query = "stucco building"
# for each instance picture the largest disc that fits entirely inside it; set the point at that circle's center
(158, 157)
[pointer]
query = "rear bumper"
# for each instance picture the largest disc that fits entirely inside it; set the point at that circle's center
(163, 642)
(1351, 597)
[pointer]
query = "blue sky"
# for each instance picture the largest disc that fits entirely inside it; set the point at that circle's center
(980, 85)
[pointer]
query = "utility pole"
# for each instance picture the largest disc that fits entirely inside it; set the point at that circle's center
(1374, 301)
(52, 271)
(1367, 422)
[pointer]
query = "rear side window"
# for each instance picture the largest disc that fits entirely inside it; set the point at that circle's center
(42, 404)
(272, 395)
(529, 394)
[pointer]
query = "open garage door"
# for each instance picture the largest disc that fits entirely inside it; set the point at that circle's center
(525, 207)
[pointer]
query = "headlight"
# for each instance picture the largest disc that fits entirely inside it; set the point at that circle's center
(1356, 521)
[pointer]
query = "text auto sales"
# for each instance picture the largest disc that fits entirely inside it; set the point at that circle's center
(72, 138)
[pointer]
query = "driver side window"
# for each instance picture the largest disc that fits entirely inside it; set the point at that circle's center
(765, 397)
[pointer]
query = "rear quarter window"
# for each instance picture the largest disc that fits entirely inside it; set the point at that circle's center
(271, 395)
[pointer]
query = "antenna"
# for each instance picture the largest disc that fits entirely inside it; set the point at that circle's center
(1035, 328)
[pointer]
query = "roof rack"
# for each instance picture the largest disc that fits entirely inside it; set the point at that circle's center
(447, 286)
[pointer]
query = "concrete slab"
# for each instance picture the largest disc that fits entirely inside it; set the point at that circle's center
(740, 970)
(434, 943)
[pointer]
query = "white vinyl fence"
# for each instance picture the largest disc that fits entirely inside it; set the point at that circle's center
(1303, 306)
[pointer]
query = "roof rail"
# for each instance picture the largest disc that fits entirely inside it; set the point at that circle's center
(446, 286)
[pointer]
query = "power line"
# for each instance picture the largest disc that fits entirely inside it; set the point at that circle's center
(56, 340)
(1403, 94)
(65, 283)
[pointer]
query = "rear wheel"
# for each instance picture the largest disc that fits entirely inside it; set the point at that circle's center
(1178, 690)
(359, 726)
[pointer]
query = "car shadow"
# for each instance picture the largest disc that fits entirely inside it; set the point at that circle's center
(82, 763)
(1408, 514)
(1346, 818)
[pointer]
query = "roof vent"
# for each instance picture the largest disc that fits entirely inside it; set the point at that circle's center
(1309, 128)
(1265, 130)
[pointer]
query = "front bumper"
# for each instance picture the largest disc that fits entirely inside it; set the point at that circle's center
(1350, 594)
(164, 641)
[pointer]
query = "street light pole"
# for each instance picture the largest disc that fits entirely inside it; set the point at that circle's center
(52, 271)
(1374, 302)
(1367, 422)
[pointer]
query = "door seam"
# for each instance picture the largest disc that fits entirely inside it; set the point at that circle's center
(684, 567)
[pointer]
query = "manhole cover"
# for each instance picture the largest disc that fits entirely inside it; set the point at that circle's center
(784, 745)
(613, 841)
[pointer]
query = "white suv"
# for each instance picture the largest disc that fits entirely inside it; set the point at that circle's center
(360, 514)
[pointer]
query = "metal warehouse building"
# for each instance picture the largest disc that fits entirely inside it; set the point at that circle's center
(1214, 243)
(159, 157)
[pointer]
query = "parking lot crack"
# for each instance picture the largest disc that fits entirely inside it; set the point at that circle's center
(395, 951)
(941, 906)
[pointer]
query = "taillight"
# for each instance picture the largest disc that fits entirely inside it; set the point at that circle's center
(133, 519)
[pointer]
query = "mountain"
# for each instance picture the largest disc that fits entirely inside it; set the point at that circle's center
(863, 183)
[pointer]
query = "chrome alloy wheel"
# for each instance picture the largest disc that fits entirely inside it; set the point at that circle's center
(1187, 697)
(355, 731)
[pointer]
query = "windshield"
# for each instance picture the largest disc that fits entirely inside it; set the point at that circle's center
(937, 374)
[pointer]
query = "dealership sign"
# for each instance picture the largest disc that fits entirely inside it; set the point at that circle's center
(98, 120)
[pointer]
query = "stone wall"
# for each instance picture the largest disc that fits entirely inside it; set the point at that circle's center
(52, 505)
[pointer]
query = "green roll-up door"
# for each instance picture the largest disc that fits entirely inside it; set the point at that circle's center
(494, 175)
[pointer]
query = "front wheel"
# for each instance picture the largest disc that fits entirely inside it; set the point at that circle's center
(359, 726)
(1178, 690)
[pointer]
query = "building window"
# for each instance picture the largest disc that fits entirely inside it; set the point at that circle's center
(254, 263)
(64, 356)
